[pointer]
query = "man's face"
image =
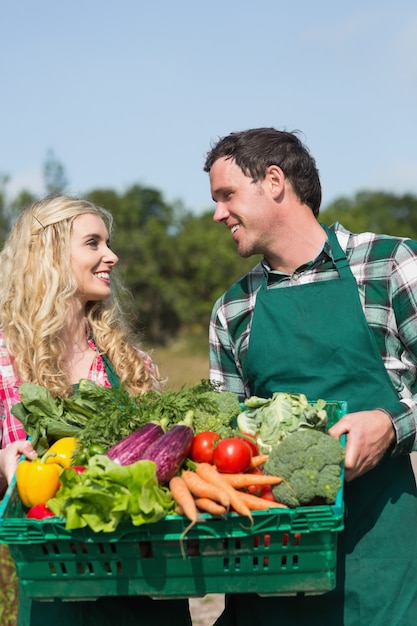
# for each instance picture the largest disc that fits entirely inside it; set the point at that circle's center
(243, 205)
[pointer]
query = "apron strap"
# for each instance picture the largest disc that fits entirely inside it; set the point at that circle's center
(114, 379)
(339, 257)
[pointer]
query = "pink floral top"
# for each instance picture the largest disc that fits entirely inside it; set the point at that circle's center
(11, 428)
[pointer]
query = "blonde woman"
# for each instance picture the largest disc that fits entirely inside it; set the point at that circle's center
(60, 321)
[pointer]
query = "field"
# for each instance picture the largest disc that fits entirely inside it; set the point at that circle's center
(184, 362)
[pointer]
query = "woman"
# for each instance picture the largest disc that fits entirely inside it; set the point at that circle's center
(59, 323)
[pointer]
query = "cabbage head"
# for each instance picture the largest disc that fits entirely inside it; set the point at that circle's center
(270, 420)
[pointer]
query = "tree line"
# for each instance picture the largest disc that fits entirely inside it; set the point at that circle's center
(174, 264)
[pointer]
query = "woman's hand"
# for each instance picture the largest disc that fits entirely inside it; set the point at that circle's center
(10, 455)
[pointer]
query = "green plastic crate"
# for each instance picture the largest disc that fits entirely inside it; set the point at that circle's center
(285, 551)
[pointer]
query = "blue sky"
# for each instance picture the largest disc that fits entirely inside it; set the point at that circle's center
(130, 92)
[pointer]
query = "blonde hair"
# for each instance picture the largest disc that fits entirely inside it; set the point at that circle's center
(36, 289)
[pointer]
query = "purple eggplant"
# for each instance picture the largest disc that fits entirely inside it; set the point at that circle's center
(169, 451)
(132, 447)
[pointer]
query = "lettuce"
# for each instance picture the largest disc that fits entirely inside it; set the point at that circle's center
(107, 493)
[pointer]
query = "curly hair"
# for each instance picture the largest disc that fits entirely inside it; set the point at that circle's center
(36, 289)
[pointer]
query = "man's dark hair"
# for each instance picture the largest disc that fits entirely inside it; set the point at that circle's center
(256, 149)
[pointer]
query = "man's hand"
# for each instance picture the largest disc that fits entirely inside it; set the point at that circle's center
(369, 434)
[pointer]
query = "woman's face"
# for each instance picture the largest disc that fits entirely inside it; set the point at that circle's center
(91, 258)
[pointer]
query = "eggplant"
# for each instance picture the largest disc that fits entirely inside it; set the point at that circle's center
(169, 451)
(131, 448)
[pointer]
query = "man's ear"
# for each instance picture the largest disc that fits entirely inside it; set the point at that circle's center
(275, 179)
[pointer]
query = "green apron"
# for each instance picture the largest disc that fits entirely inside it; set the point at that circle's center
(314, 339)
(106, 611)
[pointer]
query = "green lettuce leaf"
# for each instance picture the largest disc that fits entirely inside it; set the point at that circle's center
(107, 493)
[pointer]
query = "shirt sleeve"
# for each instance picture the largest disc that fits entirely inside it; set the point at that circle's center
(224, 370)
(404, 307)
(11, 428)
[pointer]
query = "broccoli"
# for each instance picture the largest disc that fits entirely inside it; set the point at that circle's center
(218, 414)
(309, 463)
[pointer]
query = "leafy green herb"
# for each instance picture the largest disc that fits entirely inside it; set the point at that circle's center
(102, 415)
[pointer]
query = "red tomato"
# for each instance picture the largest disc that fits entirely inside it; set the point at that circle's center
(232, 455)
(255, 490)
(39, 511)
(251, 441)
(202, 447)
(267, 494)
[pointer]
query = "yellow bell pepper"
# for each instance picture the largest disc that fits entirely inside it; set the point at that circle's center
(37, 481)
(62, 451)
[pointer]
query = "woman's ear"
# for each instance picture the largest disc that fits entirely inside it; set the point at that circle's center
(275, 179)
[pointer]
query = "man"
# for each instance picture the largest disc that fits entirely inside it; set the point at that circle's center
(332, 315)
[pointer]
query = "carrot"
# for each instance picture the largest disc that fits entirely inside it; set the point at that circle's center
(185, 502)
(209, 472)
(210, 506)
(202, 489)
(238, 481)
(255, 503)
(258, 460)
(183, 498)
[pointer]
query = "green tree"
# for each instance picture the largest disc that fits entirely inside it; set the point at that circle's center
(375, 211)
(54, 174)
(175, 264)
(143, 238)
(18, 203)
(209, 265)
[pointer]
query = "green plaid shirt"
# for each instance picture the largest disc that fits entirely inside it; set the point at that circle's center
(385, 269)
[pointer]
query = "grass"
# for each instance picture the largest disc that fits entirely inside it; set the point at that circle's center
(184, 363)
(8, 588)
